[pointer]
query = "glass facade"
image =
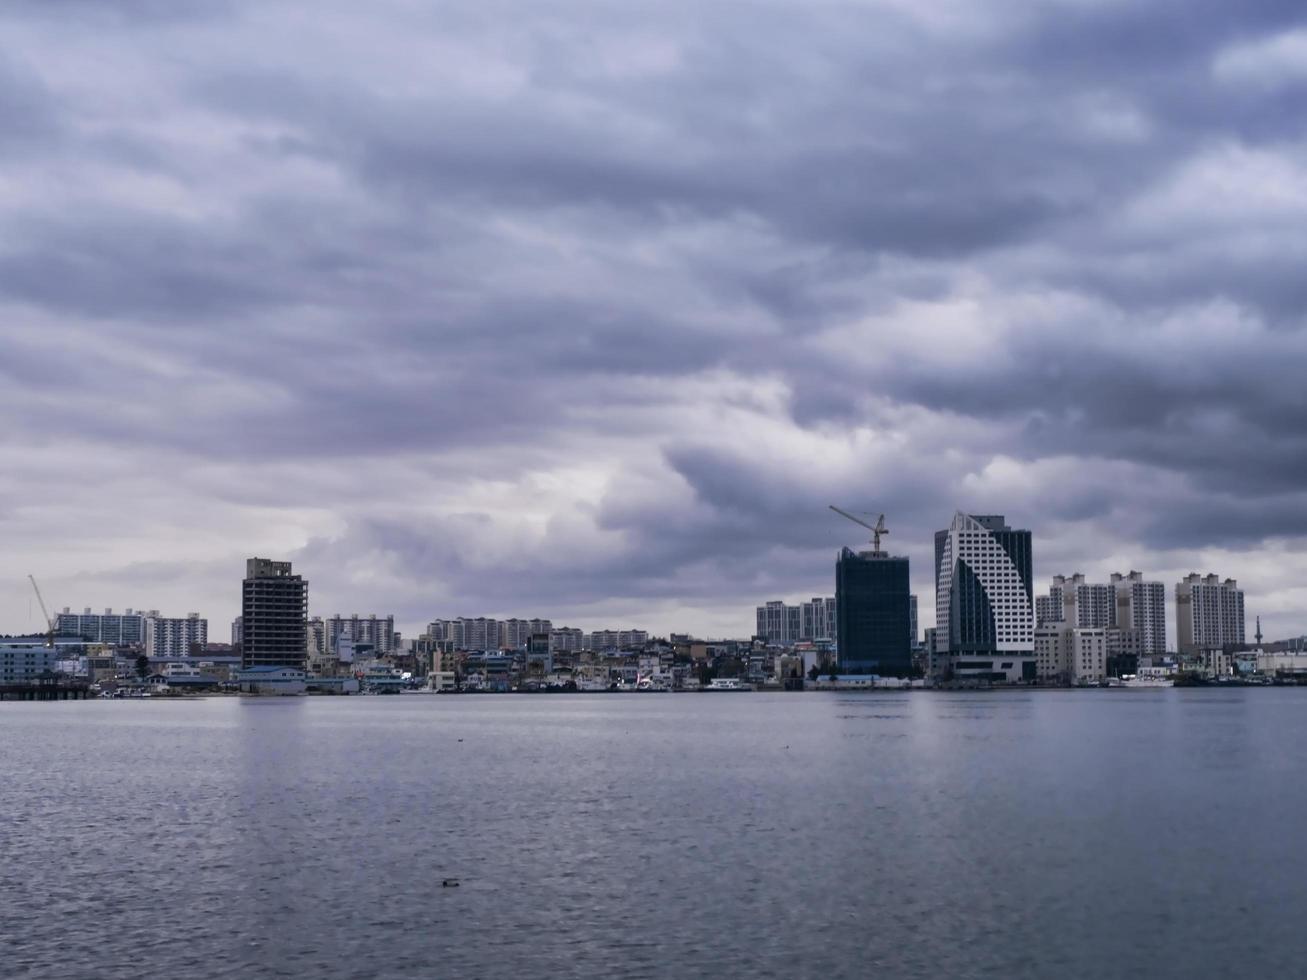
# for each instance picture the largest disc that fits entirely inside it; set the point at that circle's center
(874, 614)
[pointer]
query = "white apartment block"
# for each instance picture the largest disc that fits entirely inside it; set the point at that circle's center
(818, 619)
(1074, 601)
(484, 633)
(327, 633)
(463, 633)
(781, 623)
(515, 634)
(167, 637)
(616, 639)
(1136, 607)
(566, 639)
(1088, 655)
(1071, 655)
(115, 629)
(1141, 607)
(778, 622)
(1049, 659)
(1208, 613)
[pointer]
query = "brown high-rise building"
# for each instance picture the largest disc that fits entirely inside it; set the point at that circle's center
(274, 611)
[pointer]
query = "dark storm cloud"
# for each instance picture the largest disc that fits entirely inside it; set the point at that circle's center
(669, 277)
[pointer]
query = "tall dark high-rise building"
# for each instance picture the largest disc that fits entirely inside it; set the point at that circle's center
(274, 613)
(985, 609)
(873, 613)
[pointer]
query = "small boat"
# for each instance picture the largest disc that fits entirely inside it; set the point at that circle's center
(727, 684)
(1134, 680)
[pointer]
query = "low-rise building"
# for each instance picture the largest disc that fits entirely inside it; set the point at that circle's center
(23, 659)
(441, 680)
(271, 679)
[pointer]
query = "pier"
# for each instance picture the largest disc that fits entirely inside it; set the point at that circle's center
(44, 689)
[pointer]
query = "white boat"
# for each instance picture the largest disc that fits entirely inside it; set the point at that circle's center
(727, 684)
(1134, 680)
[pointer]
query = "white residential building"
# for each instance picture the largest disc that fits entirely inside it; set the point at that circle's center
(1136, 607)
(515, 634)
(167, 637)
(484, 633)
(777, 622)
(115, 629)
(1074, 601)
(566, 639)
(1071, 655)
(1208, 613)
(781, 623)
(1141, 607)
(327, 634)
(616, 639)
(481, 633)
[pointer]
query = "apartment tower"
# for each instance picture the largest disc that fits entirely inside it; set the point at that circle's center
(274, 614)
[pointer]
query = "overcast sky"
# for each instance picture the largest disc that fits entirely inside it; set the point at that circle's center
(589, 309)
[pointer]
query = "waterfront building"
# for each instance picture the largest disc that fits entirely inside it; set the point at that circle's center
(167, 637)
(1072, 655)
(111, 628)
(1208, 613)
(1141, 609)
(25, 658)
(873, 613)
(984, 601)
(274, 614)
(270, 678)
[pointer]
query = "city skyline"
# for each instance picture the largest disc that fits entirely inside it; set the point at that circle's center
(920, 622)
(483, 316)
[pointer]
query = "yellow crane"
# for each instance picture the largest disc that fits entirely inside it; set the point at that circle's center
(49, 636)
(876, 531)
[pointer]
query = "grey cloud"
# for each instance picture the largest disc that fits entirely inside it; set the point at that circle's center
(120, 13)
(499, 245)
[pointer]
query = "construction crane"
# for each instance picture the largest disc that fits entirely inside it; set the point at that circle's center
(49, 636)
(876, 531)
